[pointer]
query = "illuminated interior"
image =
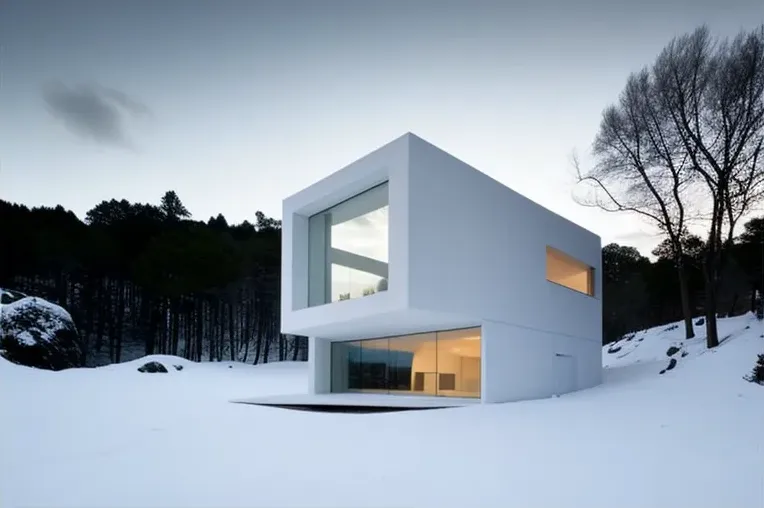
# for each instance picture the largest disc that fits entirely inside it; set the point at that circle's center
(445, 364)
(348, 248)
(567, 271)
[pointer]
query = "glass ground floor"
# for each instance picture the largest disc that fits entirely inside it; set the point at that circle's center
(445, 363)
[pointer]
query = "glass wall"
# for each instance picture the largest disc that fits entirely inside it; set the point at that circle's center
(567, 271)
(348, 248)
(439, 363)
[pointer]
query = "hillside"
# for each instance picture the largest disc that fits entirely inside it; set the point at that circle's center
(113, 437)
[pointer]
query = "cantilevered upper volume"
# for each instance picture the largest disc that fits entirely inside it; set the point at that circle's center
(467, 288)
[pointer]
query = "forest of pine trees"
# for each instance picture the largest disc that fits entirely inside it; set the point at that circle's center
(144, 279)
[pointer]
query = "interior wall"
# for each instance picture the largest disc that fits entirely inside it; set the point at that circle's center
(436, 359)
(568, 271)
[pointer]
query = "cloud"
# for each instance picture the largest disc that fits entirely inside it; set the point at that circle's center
(93, 111)
(635, 236)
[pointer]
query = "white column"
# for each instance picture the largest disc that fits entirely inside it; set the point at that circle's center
(319, 365)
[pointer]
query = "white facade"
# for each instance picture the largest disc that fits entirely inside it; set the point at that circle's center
(461, 251)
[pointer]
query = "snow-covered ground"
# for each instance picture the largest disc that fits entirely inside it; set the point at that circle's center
(114, 437)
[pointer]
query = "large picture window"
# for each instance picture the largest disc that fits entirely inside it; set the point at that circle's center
(443, 364)
(348, 247)
(567, 271)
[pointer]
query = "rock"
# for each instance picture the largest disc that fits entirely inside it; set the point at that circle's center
(37, 333)
(614, 349)
(178, 367)
(672, 351)
(153, 368)
(700, 322)
(670, 366)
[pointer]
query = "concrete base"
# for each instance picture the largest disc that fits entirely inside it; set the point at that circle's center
(359, 400)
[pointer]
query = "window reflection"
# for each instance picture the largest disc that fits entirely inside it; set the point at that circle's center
(374, 363)
(348, 248)
(441, 363)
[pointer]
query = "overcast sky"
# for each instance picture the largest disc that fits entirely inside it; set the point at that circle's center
(237, 104)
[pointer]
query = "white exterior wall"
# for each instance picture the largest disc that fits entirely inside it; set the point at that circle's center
(464, 251)
(521, 363)
(478, 249)
(347, 319)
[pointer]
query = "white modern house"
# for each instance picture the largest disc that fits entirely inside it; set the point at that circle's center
(415, 274)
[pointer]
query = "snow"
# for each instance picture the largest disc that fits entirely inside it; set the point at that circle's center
(113, 437)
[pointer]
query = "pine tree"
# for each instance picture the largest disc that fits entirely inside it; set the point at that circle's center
(172, 207)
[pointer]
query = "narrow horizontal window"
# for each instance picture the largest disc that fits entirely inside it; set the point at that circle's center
(567, 271)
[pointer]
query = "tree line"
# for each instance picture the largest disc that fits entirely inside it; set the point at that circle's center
(142, 279)
(683, 148)
(639, 293)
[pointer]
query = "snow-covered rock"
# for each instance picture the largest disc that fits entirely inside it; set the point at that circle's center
(153, 368)
(8, 296)
(37, 333)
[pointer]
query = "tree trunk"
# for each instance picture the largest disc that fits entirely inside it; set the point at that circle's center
(684, 294)
(113, 304)
(175, 338)
(231, 332)
(735, 298)
(709, 275)
(120, 324)
(296, 348)
(101, 298)
(221, 342)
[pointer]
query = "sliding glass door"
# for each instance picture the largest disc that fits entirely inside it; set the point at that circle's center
(445, 363)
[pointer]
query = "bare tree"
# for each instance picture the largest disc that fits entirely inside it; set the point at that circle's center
(642, 168)
(713, 93)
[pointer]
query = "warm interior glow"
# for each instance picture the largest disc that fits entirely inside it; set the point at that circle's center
(569, 272)
(440, 363)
